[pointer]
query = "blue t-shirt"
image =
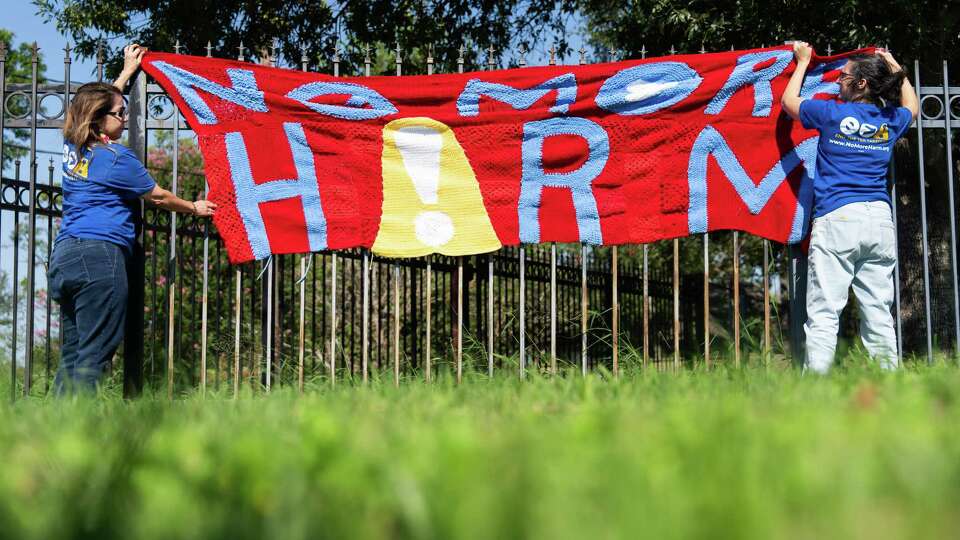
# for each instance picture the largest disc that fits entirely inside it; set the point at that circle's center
(100, 192)
(856, 141)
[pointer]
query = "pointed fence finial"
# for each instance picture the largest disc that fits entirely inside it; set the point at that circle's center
(336, 58)
(176, 47)
(366, 59)
(702, 49)
(523, 55)
(829, 50)
(209, 48)
(583, 55)
(399, 59)
(273, 51)
(240, 49)
(490, 51)
(304, 59)
(673, 50)
(643, 51)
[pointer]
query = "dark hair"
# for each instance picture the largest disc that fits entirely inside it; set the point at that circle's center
(88, 107)
(883, 85)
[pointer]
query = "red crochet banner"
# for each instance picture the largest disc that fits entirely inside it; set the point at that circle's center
(616, 153)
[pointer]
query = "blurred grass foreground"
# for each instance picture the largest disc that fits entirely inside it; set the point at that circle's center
(751, 453)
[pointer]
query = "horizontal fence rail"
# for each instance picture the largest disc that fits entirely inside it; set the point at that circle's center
(352, 316)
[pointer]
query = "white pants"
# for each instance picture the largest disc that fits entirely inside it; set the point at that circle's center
(855, 244)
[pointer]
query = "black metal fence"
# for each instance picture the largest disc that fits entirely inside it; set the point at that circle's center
(351, 315)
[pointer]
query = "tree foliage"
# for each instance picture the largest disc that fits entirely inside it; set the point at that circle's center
(922, 29)
(309, 30)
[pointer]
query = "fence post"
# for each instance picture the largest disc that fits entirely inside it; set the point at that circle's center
(32, 226)
(133, 333)
(798, 302)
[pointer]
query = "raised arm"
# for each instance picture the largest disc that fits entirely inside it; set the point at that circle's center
(132, 55)
(908, 96)
(791, 96)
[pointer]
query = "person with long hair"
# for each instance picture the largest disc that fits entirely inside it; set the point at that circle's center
(102, 182)
(853, 240)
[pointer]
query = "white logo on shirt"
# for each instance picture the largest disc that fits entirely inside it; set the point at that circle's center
(867, 130)
(70, 158)
(850, 126)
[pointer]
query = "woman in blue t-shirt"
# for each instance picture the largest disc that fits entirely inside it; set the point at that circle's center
(853, 240)
(102, 182)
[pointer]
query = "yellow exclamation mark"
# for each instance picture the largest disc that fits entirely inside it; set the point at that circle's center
(431, 199)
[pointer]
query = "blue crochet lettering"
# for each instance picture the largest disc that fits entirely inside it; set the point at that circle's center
(243, 90)
(579, 181)
(355, 107)
(813, 83)
(807, 153)
(468, 103)
(250, 194)
(744, 75)
(754, 196)
(648, 88)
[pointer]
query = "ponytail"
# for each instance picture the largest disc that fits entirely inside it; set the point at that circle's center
(889, 89)
(883, 85)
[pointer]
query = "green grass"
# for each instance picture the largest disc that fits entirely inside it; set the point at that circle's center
(752, 453)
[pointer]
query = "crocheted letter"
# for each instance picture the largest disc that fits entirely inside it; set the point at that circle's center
(579, 181)
(243, 90)
(647, 88)
(813, 83)
(754, 196)
(468, 103)
(431, 199)
(251, 194)
(746, 74)
(354, 109)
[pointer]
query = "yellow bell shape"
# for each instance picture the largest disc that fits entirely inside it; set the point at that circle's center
(431, 199)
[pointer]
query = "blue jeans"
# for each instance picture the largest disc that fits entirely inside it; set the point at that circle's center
(89, 280)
